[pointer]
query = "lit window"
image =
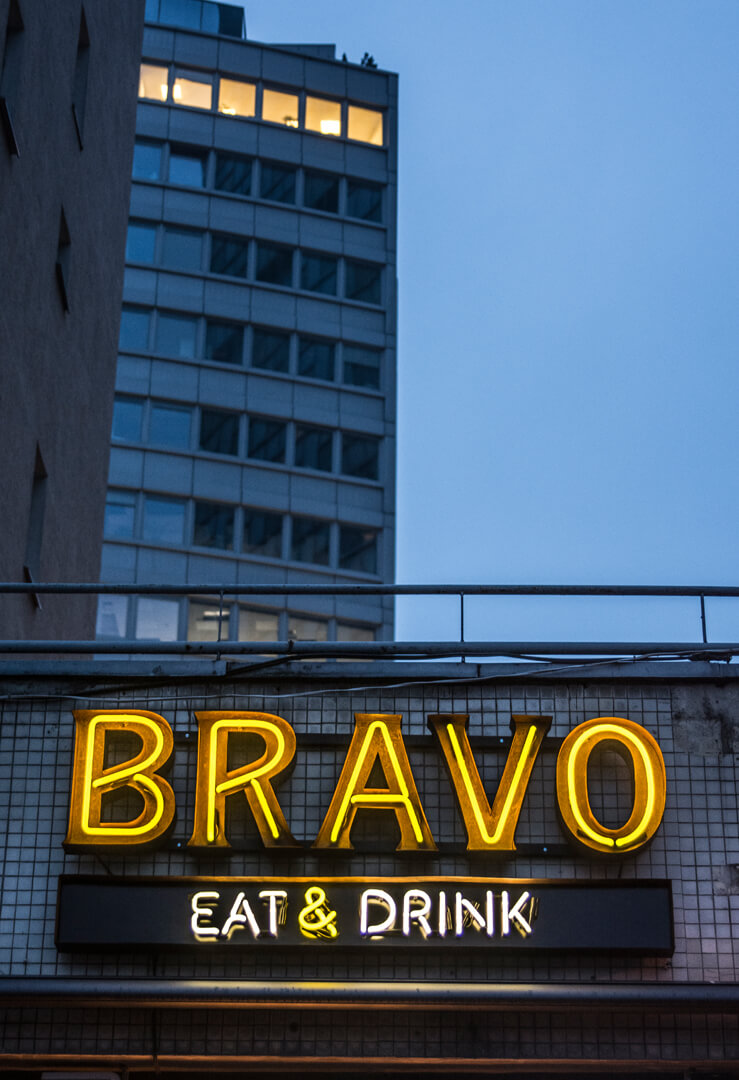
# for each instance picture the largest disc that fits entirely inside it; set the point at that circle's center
(323, 116)
(258, 625)
(219, 432)
(233, 173)
(236, 98)
(364, 200)
(274, 264)
(169, 425)
(318, 273)
(223, 342)
(175, 335)
(301, 629)
(316, 358)
(277, 182)
(358, 549)
(153, 82)
(263, 534)
(228, 255)
(164, 520)
(321, 192)
(140, 242)
(360, 456)
(147, 160)
(365, 125)
(267, 439)
(186, 167)
(348, 632)
(313, 447)
(134, 332)
(363, 281)
(127, 416)
(310, 540)
(270, 350)
(205, 619)
(156, 620)
(362, 366)
(195, 91)
(182, 249)
(111, 617)
(120, 507)
(214, 525)
(280, 108)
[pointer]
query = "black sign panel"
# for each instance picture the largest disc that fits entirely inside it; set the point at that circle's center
(398, 912)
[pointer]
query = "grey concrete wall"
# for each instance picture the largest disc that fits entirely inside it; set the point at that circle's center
(696, 847)
(57, 366)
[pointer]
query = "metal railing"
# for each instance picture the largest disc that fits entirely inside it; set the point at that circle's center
(458, 647)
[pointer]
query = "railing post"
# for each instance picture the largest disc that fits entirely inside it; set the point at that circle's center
(461, 622)
(220, 614)
(703, 618)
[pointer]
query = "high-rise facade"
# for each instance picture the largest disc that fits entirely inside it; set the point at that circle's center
(254, 424)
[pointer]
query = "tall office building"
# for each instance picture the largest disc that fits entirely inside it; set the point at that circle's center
(254, 424)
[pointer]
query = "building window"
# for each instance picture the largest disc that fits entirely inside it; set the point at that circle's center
(313, 447)
(311, 539)
(364, 200)
(321, 192)
(236, 98)
(153, 82)
(147, 160)
(349, 632)
(164, 520)
(112, 617)
(277, 182)
(194, 90)
(35, 525)
(362, 366)
(63, 260)
(233, 173)
(10, 67)
(176, 335)
(169, 425)
(134, 332)
(360, 456)
(219, 432)
(318, 273)
(120, 508)
(157, 620)
(358, 549)
(214, 526)
(229, 256)
(274, 264)
(224, 342)
(270, 350)
(128, 413)
(280, 108)
(79, 84)
(263, 534)
(316, 358)
(258, 625)
(186, 167)
(267, 439)
(141, 242)
(365, 125)
(207, 621)
(323, 115)
(182, 249)
(363, 281)
(300, 628)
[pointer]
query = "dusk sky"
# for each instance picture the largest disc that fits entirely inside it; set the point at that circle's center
(569, 300)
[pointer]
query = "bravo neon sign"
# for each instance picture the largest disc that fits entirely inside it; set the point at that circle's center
(377, 742)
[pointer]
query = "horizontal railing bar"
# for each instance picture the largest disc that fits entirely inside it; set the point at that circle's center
(95, 588)
(371, 649)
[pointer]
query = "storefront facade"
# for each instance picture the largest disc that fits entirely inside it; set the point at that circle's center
(385, 867)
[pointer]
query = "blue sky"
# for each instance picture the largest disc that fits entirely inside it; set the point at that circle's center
(569, 298)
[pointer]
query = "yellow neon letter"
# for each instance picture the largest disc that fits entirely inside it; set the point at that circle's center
(489, 829)
(215, 781)
(376, 738)
(91, 780)
(642, 753)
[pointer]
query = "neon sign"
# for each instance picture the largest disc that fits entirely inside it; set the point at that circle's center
(376, 745)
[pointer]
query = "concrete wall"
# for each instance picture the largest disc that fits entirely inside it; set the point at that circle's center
(57, 366)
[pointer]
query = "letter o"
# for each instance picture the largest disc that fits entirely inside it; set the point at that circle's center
(647, 765)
